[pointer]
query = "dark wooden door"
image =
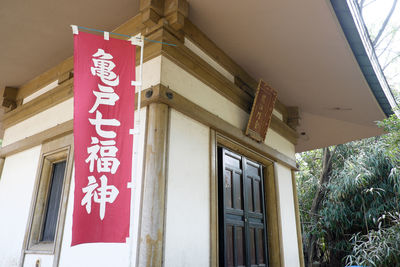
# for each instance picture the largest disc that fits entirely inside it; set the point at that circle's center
(242, 227)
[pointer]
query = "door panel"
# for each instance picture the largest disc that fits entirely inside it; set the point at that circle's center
(242, 227)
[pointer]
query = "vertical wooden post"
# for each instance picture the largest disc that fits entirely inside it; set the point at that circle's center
(298, 225)
(273, 221)
(214, 249)
(1, 166)
(151, 232)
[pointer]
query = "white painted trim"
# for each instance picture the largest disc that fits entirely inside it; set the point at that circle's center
(195, 49)
(278, 114)
(40, 92)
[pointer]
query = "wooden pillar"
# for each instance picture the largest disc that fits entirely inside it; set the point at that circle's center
(298, 225)
(273, 217)
(174, 11)
(1, 166)
(151, 232)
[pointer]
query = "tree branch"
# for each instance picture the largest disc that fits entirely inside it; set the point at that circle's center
(391, 33)
(385, 22)
(387, 45)
(361, 4)
(390, 62)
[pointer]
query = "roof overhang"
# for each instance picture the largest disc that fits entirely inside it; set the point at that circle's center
(314, 53)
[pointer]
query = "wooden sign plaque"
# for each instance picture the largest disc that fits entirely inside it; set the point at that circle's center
(261, 112)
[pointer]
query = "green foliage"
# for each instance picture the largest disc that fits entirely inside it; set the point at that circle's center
(379, 247)
(307, 181)
(364, 185)
(359, 193)
(391, 125)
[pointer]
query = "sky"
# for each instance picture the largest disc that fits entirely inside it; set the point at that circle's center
(374, 14)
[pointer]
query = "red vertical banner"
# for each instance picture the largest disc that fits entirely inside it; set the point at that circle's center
(103, 116)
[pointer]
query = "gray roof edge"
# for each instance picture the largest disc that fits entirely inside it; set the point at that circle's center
(353, 26)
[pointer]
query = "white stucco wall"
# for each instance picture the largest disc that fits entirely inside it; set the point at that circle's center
(151, 72)
(198, 51)
(42, 121)
(106, 254)
(283, 177)
(81, 255)
(201, 94)
(64, 111)
(280, 144)
(187, 236)
(16, 187)
(44, 260)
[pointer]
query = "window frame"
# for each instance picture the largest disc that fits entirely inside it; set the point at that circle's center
(52, 151)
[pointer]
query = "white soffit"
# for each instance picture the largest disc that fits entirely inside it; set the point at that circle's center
(299, 48)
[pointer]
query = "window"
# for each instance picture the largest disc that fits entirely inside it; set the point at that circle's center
(53, 202)
(242, 224)
(44, 230)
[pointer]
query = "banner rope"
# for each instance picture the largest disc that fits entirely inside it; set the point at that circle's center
(124, 35)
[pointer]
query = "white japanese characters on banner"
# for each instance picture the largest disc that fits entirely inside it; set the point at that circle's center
(108, 161)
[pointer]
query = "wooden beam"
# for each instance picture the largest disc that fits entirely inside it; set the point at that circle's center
(58, 130)
(151, 11)
(176, 11)
(1, 166)
(284, 130)
(214, 236)
(171, 6)
(279, 214)
(65, 89)
(150, 17)
(242, 79)
(298, 223)
(156, 5)
(210, 48)
(47, 100)
(10, 97)
(195, 65)
(167, 96)
(63, 77)
(192, 63)
(159, 95)
(281, 108)
(45, 78)
(293, 117)
(151, 233)
(131, 27)
(37, 139)
(273, 221)
(162, 94)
